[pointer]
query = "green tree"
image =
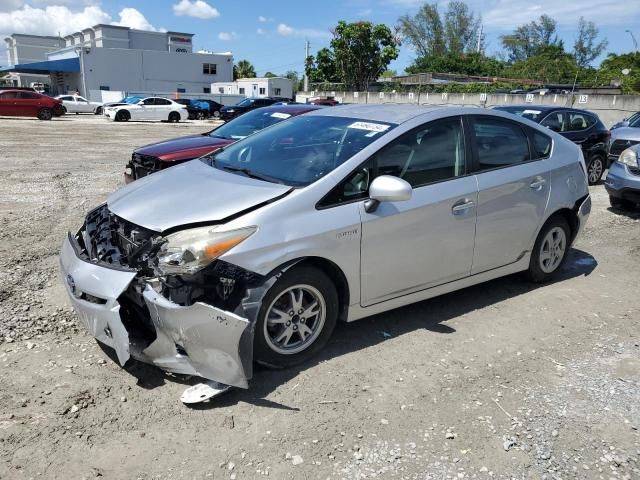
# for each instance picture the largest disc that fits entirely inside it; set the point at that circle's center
(621, 70)
(243, 69)
(432, 35)
(361, 51)
(551, 64)
(465, 64)
(270, 75)
(527, 40)
(586, 48)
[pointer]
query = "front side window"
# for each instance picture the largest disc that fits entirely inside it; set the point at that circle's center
(66, 99)
(8, 95)
(499, 143)
(149, 101)
(299, 151)
(28, 95)
(80, 99)
(430, 153)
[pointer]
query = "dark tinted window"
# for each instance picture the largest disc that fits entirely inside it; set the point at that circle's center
(579, 121)
(149, 101)
(541, 144)
(555, 121)
(28, 95)
(66, 99)
(531, 113)
(8, 95)
(499, 143)
(162, 101)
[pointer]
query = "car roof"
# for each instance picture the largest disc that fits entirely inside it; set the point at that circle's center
(543, 108)
(387, 112)
(293, 109)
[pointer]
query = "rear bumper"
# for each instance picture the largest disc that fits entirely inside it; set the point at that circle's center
(197, 340)
(584, 210)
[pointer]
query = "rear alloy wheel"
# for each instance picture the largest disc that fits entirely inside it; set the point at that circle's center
(122, 116)
(174, 117)
(296, 318)
(45, 114)
(595, 169)
(550, 250)
(98, 111)
(200, 116)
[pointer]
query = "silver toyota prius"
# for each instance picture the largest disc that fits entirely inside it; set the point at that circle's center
(254, 252)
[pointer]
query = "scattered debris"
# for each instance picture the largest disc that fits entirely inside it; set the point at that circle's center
(203, 392)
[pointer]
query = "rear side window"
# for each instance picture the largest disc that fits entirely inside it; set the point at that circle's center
(541, 144)
(66, 99)
(28, 95)
(499, 143)
(579, 121)
(163, 101)
(149, 101)
(8, 95)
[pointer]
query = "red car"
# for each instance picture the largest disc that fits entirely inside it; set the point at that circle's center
(22, 103)
(327, 102)
(158, 156)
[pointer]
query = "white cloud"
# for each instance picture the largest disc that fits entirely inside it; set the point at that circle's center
(132, 18)
(197, 9)
(226, 36)
(56, 19)
(260, 31)
(263, 19)
(288, 31)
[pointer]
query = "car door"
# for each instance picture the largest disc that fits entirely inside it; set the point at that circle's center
(162, 109)
(145, 110)
(428, 240)
(513, 190)
(8, 103)
(83, 105)
(28, 104)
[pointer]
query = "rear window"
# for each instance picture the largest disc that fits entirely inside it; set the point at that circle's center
(541, 145)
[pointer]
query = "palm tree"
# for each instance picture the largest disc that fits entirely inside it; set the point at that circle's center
(243, 69)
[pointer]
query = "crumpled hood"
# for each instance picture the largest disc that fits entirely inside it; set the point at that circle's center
(171, 148)
(189, 193)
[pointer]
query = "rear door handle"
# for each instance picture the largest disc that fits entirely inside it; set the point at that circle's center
(462, 206)
(537, 183)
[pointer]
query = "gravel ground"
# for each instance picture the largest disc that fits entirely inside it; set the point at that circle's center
(502, 380)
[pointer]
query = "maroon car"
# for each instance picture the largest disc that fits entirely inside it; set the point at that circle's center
(22, 103)
(158, 156)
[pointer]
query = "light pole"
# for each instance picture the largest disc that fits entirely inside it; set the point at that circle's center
(633, 37)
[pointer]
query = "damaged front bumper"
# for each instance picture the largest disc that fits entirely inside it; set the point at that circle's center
(199, 339)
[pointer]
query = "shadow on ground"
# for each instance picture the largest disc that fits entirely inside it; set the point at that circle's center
(429, 315)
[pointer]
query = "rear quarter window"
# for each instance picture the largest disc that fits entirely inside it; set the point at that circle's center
(541, 144)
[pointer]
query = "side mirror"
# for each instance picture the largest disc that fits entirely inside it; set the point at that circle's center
(387, 188)
(141, 102)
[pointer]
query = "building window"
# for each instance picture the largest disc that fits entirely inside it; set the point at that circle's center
(206, 90)
(262, 91)
(277, 91)
(104, 87)
(220, 89)
(181, 90)
(209, 68)
(241, 91)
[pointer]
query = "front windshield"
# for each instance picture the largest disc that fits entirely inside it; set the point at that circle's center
(245, 103)
(131, 99)
(300, 151)
(249, 123)
(634, 122)
(530, 113)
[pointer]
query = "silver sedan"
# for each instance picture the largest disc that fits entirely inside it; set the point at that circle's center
(255, 252)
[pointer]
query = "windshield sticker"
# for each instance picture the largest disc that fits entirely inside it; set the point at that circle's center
(531, 112)
(280, 115)
(371, 127)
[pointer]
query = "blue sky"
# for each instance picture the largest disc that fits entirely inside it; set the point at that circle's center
(271, 34)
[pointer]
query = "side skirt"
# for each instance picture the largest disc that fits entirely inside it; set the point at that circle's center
(357, 312)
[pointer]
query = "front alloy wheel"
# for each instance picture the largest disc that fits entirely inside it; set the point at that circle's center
(296, 318)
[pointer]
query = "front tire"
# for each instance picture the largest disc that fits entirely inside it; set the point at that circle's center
(122, 116)
(98, 111)
(550, 250)
(45, 114)
(296, 318)
(174, 117)
(595, 169)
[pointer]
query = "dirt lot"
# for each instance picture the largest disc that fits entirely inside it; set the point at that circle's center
(502, 380)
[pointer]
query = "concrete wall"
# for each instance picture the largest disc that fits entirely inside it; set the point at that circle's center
(144, 70)
(610, 108)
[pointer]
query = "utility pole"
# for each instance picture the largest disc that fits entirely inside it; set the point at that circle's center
(633, 37)
(479, 44)
(306, 55)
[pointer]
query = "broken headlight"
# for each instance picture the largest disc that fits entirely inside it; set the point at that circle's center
(191, 250)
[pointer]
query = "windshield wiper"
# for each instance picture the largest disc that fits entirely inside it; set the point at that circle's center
(251, 174)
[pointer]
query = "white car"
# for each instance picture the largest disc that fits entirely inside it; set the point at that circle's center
(151, 108)
(77, 104)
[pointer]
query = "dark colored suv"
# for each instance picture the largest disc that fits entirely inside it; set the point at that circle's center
(244, 106)
(581, 127)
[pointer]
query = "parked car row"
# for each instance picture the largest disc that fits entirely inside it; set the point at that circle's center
(254, 251)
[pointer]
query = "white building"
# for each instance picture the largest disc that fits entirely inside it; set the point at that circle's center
(256, 87)
(29, 49)
(108, 57)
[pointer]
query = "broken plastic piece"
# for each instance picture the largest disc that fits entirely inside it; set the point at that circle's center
(203, 392)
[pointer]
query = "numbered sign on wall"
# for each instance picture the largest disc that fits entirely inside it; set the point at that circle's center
(483, 98)
(445, 95)
(381, 95)
(583, 98)
(529, 98)
(411, 95)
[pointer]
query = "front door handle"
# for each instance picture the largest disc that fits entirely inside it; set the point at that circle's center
(462, 206)
(537, 183)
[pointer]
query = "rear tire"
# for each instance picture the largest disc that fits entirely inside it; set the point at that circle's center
(98, 111)
(620, 203)
(122, 116)
(64, 110)
(595, 169)
(174, 117)
(300, 288)
(45, 114)
(550, 250)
